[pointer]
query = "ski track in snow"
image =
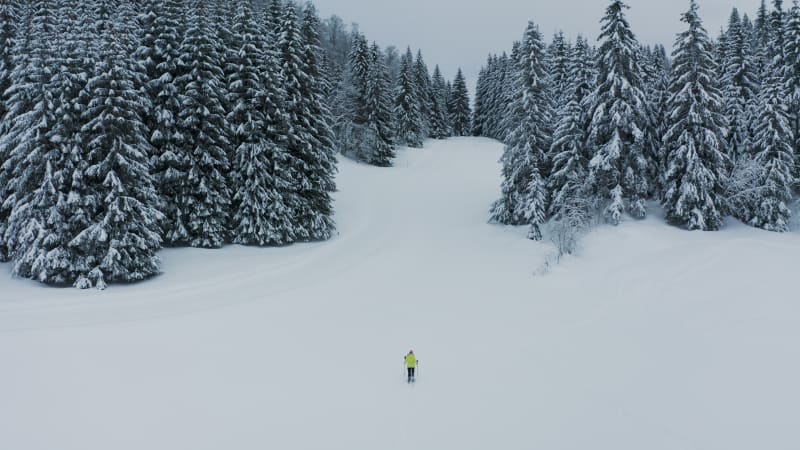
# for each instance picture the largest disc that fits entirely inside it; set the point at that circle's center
(654, 338)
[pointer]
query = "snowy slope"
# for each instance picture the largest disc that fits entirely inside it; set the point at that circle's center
(653, 339)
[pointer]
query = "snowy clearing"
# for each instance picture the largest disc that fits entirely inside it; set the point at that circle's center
(653, 338)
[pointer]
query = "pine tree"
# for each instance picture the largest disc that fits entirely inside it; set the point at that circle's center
(568, 152)
(558, 69)
(203, 197)
(774, 155)
(696, 164)
(26, 145)
(159, 55)
(480, 111)
(741, 87)
(459, 108)
(440, 128)
(120, 242)
(657, 97)
(620, 120)
(379, 142)
(422, 80)
(408, 114)
(250, 178)
(9, 21)
(570, 162)
(762, 28)
(312, 165)
(319, 115)
(524, 193)
(792, 77)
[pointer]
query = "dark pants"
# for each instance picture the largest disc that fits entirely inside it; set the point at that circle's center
(411, 372)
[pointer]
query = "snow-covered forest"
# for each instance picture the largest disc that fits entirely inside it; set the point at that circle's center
(710, 130)
(132, 125)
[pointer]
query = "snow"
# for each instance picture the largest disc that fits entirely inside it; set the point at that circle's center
(652, 338)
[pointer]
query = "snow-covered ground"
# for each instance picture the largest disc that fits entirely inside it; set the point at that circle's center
(653, 338)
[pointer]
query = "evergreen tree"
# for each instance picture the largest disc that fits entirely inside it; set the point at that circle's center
(159, 55)
(524, 193)
(792, 77)
(558, 69)
(9, 21)
(480, 115)
(774, 155)
(762, 29)
(620, 119)
(408, 114)
(741, 87)
(459, 107)
(253, 188)
(318, 114)
(696, 164)
(379, 142)
(121, 238)
(657, 96)
(422, 80)
(203, 198)
(439, 127)
(568, 152)
(29, 195)
(26, 145)
(312, 165)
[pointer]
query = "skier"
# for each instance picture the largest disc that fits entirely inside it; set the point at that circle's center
(411, 365)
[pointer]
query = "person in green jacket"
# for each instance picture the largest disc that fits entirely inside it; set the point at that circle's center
(411, 365)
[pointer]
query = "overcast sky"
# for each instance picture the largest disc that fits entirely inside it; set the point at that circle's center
(455, 33)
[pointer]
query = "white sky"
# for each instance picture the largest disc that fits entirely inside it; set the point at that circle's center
(462, 33)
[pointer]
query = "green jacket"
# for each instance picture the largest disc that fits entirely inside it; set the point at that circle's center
(411, 361)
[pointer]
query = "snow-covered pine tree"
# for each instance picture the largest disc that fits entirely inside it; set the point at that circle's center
(312, 165)
(657, 96)
(480, 108)
(122, 237)
(159, 55)
(740, 87)
(582, 73)
(695, 142)
(792, 77)
(777, 28)
(558, 69)
(620, 120)
(459, 107)
(524, 193)
(439, 127)
(773, 152)
(351, 109)
(203, 196)
(508, 114)
(422, 80)
(494, 101)
(9, 21)
(570, 159)
(762, 29)
(249, 177)
(273, 16)
(774, 156)
(408, 113)
(27, 179)
(319, 118)
(379, 145)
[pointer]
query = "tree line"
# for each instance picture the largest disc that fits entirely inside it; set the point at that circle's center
(128, 125)
(709, 131)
